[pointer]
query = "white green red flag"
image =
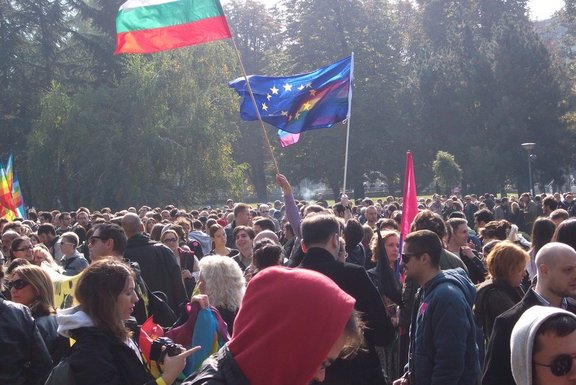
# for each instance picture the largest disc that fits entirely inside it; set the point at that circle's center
(146, 26)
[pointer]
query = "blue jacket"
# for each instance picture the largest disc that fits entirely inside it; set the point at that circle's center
(443, 348)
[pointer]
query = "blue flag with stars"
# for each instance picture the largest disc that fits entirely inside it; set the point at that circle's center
(298, 103)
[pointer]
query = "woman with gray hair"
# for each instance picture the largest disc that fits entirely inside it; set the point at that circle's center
(222, 280)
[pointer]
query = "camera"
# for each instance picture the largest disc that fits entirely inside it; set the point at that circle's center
(158, 354)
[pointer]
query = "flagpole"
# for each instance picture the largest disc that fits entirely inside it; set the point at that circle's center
(254, 102)
(348, 118)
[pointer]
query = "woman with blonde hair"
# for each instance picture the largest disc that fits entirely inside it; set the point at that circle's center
(31, 286)
(506, 264)
(43, 258)
(222, 280)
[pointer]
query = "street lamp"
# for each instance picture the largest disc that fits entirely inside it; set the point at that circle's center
(529, 147)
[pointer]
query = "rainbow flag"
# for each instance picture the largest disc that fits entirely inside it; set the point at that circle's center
(17, 198)
(9, 172)
(11, 200)
(298, 103)
(146, 26)
(7, 208)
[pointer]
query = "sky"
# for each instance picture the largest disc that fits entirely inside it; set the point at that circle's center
(543, 9)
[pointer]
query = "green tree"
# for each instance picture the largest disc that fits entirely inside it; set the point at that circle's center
(93, 36)
(258, 39)
(152, 138)
(321, 32)
(447, 173)
(528, 107)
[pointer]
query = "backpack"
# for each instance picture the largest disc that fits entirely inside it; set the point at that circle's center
(61, 374)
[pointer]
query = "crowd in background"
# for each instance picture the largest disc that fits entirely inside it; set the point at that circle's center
(164, 260)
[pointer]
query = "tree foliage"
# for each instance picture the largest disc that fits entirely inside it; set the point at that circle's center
(469, 78)
(447, 173)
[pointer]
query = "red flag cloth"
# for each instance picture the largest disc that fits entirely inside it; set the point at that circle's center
(146, 26)
(149, 331)
(410, 199)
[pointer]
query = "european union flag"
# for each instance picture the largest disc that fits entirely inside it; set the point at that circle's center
(301, 102)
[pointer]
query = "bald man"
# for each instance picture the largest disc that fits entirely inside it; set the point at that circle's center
(157, 262)
(556, 264)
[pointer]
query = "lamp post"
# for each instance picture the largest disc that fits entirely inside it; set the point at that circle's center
(529, 147)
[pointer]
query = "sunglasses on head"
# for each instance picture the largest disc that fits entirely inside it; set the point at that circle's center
(17, 284)
(561, 365)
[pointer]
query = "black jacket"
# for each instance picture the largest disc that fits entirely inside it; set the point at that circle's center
(494, 297)
(365, 367)
(57, 345)
(24, 359)
(497, 370)
(229, 229)
(149, 304)
(97, 358)
(218, 369)
(158, 268)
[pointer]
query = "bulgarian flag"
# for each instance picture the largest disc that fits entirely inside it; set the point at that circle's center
(146, 26)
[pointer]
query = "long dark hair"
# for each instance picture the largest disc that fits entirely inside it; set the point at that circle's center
(542, 232)
(97, 292)
(566, 232)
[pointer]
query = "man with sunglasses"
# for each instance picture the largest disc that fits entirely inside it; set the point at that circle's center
(443, 346)
(109, 240)
(73, 261)
(556, 264)
(543, 347)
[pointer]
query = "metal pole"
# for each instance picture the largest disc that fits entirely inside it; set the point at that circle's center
(348, 117)
(530, 174)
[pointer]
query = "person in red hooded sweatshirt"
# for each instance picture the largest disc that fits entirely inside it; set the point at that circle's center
(292, 324)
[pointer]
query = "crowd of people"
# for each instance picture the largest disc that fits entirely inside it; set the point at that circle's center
(481, 291)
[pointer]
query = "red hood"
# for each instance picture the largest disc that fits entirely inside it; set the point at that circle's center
(288, 321)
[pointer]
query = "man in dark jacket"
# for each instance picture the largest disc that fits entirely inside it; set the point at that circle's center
(242, 217)
(109, 240)
(157, 262)
(424, 220)
(556, 263)
(443, 348)
(321, 242)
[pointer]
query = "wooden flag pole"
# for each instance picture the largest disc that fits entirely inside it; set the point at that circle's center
(255, 104)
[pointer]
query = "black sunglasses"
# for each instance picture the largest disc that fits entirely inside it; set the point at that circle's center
(93, 239)
(26, 248)
(17, 284)
(406, 256)
(561, 365)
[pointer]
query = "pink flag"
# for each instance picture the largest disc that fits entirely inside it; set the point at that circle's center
(288, 138)
(410, 200)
